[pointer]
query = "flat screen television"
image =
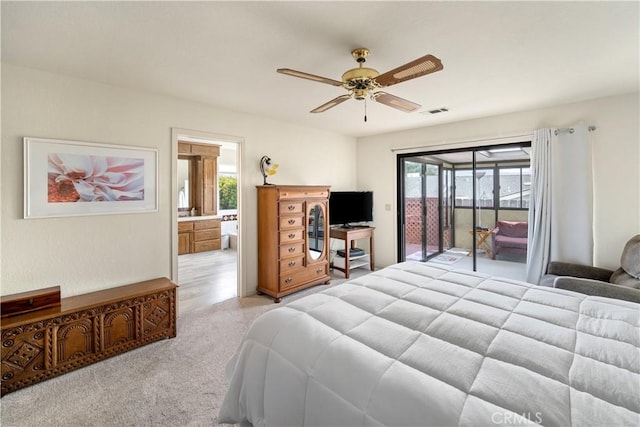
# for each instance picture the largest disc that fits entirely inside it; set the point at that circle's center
(348, 207)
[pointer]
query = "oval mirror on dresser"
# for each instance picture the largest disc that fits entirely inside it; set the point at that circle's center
(316, 230)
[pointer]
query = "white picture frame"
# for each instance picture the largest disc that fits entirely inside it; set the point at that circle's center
(75, 178)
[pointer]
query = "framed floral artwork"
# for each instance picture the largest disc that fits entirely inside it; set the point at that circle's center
(69, 178)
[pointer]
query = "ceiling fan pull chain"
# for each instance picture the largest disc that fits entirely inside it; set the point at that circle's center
(365, 110)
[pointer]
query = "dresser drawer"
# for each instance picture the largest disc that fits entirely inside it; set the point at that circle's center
(291, 207)
(201, 235)
(207, 245)
(292, 250)
(206, 223)
(293, 235)
(295, 278)
(288, 264)
(291, 222)
(303, 194)
(185, 226)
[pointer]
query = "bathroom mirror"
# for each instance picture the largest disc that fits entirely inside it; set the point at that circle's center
(184, 188)
(316, 229)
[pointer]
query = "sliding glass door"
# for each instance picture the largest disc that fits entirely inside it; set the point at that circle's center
(425, 208)
(455, 200)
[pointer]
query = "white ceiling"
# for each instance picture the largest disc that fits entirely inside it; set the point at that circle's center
(498, 57)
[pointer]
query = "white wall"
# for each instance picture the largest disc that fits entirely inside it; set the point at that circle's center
(83, 254)
(616, 156)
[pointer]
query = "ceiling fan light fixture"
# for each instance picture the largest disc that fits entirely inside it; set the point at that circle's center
(362, 73)
(363, 82)
(360, 94)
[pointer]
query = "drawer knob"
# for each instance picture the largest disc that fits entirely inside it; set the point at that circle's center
(292, 263)
(318, 271)
(292, 221)
(291, 207)
(292, 235)
(288, 280)
(292, 249)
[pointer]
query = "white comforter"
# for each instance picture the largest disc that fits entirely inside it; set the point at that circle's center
(418, 345)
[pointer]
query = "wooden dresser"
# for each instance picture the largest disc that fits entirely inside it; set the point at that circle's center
(198, 236)
(85, 329)
(293, 238)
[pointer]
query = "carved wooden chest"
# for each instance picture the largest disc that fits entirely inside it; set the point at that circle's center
(85, 329)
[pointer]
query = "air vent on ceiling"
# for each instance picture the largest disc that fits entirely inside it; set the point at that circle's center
(436, 111)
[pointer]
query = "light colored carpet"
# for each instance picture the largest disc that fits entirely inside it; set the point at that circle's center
(176, 382)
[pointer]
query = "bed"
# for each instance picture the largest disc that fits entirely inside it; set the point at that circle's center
(415, 344)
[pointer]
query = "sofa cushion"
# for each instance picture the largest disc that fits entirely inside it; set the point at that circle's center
(622, 278)
(513, 228)
(597, 288)
(629, 273)
(559, 268)
(630, 259)
(511, 242)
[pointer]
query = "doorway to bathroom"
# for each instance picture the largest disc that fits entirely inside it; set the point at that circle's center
(207, 244)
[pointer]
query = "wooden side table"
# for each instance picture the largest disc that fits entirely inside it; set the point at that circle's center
(481, 240)
(350, 235)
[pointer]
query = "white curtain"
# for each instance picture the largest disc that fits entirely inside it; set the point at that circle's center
(539, 244)
(572, 191)
(561, 203)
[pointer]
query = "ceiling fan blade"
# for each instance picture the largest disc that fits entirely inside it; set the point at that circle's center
(395, 102)
(422, 66)
(308, 76)
(331, 104)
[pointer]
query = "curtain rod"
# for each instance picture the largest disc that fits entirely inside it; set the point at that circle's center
(469, 141)
(466, 141)
(571, 130)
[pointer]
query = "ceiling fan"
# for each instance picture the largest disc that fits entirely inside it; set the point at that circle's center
(362, 82)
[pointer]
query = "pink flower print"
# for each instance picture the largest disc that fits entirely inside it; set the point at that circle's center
(94, 178)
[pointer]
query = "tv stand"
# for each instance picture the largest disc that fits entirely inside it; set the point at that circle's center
(350, 235)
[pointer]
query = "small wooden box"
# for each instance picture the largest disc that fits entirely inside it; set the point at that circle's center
(26, 302)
